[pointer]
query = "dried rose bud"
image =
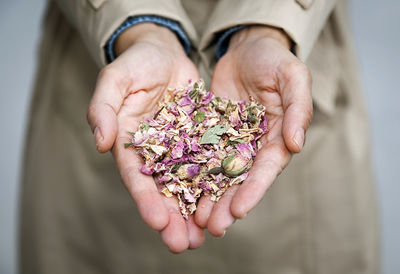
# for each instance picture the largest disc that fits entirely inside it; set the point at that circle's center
(236, 164)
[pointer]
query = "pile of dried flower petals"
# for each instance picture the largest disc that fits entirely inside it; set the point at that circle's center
(198, 144)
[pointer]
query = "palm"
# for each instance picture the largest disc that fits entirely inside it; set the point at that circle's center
(132, 86)
(248, 81)
(253, 70)
(255, 76)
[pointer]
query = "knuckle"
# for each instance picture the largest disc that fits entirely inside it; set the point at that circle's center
(297, 68)
(123, 138)
(108, 72)
(299, 71)
(308, 76)
(129, 175)
(276, 165)
(99, 111)
(90, 114)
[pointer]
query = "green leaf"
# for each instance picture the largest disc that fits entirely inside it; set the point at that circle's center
(128, 144)
(158, 112)
(145, 126)
(250, 108)
(230, 105)
(235, 142)
(175, 167)
(213, 135)
(252, 118)
(216, 170)
(199, 117)
(194, 92)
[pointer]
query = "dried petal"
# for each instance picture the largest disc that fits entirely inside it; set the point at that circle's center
(185, 101)
(207, 99)
(177, 151)
(146, 170)
(159, 150)
(245, 150)
(197, 144)
(264, 125)
(188, 171)
(193, 170)
(194, 145)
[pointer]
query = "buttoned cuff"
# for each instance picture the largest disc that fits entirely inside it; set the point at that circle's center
(132, 21)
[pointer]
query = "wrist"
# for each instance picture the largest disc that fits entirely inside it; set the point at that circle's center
(258, 31)
(146, 32)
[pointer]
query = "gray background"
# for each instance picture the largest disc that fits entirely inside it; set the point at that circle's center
(376, 28)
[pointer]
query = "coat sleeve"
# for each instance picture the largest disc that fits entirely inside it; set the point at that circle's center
(302, 20)
(96, 20)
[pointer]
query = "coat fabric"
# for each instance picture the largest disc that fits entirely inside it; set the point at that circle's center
(76, 217)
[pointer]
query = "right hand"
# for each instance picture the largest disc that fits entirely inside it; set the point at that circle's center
(150, 60)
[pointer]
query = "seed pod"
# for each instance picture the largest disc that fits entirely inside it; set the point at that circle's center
(235, 164)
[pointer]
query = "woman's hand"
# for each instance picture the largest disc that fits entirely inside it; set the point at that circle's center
(259, 63)
(150, 60)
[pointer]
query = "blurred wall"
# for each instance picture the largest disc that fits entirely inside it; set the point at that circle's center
(375, 25)
(19, 34)
(376, 28)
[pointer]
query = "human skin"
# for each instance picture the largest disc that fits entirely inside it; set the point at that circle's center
(258, 63)
(150, 59)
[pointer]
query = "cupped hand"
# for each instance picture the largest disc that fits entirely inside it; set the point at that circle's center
(151, 60)
(259, 63)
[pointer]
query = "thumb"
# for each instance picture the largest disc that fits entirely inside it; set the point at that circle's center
(297, 103)
(103, 109)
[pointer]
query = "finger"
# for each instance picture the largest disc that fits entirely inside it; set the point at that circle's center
(175, 235)
(103, 109)
(203, 211)
(196, 234)
(141, 187)
(221, 217)
(269, 162)
(295, 84)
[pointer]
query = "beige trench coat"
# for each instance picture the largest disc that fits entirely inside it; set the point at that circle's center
(76, 217)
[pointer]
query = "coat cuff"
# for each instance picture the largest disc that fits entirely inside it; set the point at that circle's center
(97, 21)
(223, 40)
(302, 23)
(132, 21)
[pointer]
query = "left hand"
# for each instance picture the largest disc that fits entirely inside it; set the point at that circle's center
(259, 63)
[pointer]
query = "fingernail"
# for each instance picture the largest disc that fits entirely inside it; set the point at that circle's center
(299, 138)
(223, 234)
(98, 136)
